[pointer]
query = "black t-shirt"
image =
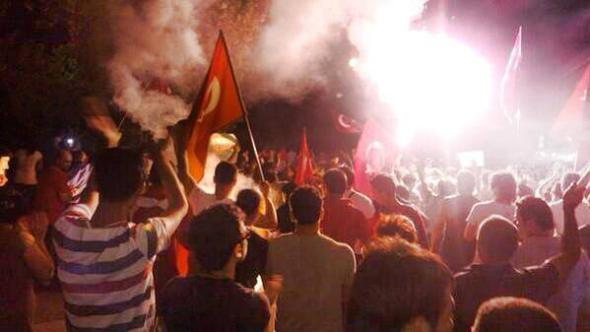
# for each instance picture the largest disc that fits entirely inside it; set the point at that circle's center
(255, 262)
(286, 225)
(480, 283)
(206, 304)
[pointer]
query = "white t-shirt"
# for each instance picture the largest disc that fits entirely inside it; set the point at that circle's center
(361, 202)
(582, 214)
(480, 211)
(315, 269)
(566, 302)
(200, 200)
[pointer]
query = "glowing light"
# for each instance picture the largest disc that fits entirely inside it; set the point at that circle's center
(430, 81)
(353, 63)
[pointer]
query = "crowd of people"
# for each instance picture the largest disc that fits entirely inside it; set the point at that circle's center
(133, 243)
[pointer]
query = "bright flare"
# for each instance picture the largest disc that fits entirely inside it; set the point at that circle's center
(430, 81)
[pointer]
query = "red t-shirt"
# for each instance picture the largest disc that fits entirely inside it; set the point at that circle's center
(52, 185)
(344, 223)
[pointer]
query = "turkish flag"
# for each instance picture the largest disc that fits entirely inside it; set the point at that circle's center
(570, 119)
(304, 167)
(376, 151)
(219, 105)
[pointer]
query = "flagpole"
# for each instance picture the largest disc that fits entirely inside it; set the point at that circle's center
(244, 110)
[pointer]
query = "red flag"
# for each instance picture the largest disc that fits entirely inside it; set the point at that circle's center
(508, 89)
(376, 150)
(570, 117)
(218, 106)
(344, 123)
(304, 169)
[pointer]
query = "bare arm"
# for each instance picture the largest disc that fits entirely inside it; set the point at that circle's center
(177, 204)
(470, 231)
(269, 219)
(570, 250)
(36, 256)
(439, 228)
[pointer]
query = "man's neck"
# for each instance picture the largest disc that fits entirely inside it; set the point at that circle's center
(228, 272)
(333, 196)
(312, 229)
(110, 213)
(503, 201)
(220, 193)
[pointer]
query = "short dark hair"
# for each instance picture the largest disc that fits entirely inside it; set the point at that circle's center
(497, 239)
(537, 210)
(397, 225)
(349, 174)
(214, 233)
(383, 183)
(306, 205)
(514, 314)
(225, 173)
(249, 201)
(504, 184)
(335, 181)
(396, 283)
(119, 173)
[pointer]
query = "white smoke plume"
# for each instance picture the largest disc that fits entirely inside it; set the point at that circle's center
(294, 44)
(156, 51)
(158, 40)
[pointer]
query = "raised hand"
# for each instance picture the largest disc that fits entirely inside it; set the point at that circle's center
(573, 196)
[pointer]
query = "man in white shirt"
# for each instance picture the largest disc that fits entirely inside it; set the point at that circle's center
(317, 272)
(582, 211)
(504, 187)
(536, 228)
(225, 178)
(359, 201)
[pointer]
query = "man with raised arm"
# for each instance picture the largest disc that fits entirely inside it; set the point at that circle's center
(103, 261)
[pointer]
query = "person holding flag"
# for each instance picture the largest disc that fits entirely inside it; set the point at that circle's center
(219, 105)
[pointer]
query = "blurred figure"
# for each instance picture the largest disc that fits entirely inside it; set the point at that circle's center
(447, 235)
(53, 192)
(4, 166)
(503, 185)
(514, 314)
(400, 287)
(341, 221)
(249, 201)
(28, 161)
(79, 174)
(359, 200)
(24, 258)
(386, 203)
(285, 222)
(582, 211)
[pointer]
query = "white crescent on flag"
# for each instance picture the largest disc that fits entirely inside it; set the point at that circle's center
(213, 95)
